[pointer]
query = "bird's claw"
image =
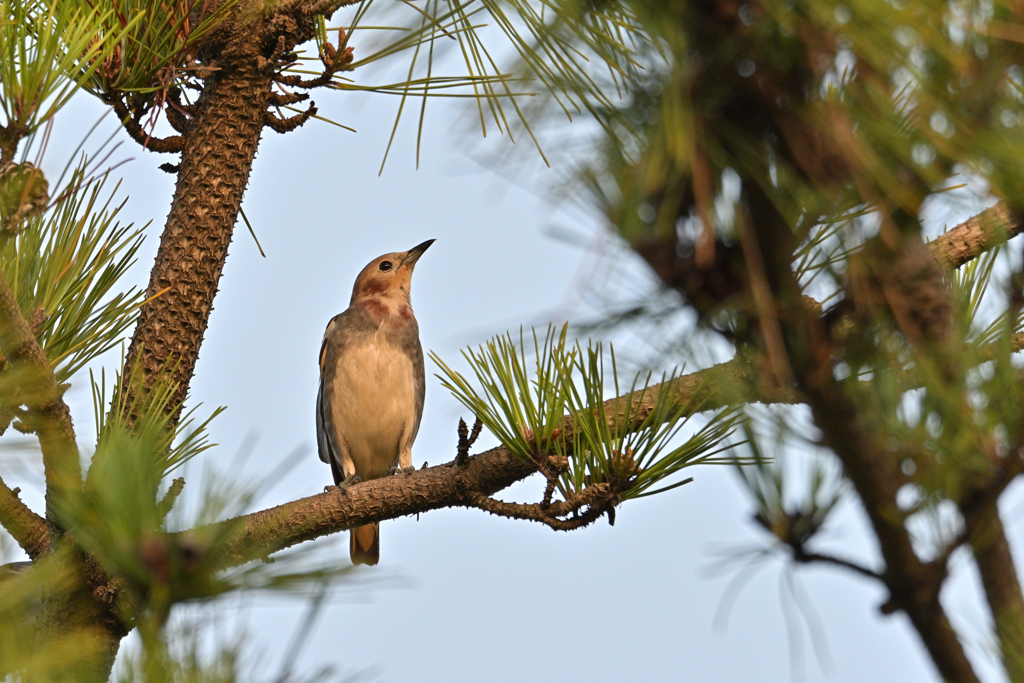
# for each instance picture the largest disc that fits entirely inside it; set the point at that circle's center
(348, 481)
(397, 469)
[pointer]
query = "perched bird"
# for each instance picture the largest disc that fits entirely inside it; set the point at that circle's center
(370, 401)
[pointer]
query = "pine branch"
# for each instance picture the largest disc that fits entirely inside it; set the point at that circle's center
(170, 145)
(1002, 590)
(820, 558)
(579, 510)
(976, 235)
(261, 533)
(47, 415)
(290, 123)
(223, 134)
(27, 528)
(465, 482)
(214, 170)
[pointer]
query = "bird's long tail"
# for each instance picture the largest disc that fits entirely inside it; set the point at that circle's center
(364, 544)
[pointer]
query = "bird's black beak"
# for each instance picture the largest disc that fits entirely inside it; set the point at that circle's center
(413, 255)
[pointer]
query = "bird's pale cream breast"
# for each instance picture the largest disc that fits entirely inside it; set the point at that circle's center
(373, 405)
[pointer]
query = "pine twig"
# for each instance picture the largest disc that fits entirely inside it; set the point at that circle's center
(466, 440)
(169, 145)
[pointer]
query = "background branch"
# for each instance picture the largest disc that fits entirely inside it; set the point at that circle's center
(1002, 590)
(801, 556)
(992, 227)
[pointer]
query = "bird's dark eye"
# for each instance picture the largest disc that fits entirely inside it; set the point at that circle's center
(385, 265)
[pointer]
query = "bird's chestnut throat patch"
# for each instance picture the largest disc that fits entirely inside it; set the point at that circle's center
(374, 288)
(381, 308)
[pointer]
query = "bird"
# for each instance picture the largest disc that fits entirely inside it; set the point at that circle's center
(370, 401)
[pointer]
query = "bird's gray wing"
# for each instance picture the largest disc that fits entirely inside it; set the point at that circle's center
(323, 417)
(324, 426)
(410, 343)
(345, 329)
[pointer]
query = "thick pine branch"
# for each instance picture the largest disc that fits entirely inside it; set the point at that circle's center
(47, 415)
(261, 533)
(217, 147)
(913, 585)
(215, 165)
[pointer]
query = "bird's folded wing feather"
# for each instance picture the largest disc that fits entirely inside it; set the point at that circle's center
(345, 329)
(323, 442)
(414, 350)
(323, 416)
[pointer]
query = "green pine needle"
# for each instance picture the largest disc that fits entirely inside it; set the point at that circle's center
(554, 405)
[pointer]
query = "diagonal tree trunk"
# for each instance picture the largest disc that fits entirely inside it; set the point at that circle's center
(219, 147)
(215, 164)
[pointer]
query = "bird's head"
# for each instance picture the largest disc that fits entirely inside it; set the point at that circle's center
(388, 277)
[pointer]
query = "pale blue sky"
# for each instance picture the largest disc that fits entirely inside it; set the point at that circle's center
(476, 597)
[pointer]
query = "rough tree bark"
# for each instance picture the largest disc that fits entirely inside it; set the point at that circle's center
(219, 148)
